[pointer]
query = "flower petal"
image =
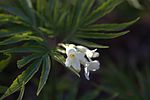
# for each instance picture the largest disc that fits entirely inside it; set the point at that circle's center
(81, 57)
(86, 73)
(76, 64)
(95, 54)
(93, 65)
(68, 62)
(70, 51)
(82, 48)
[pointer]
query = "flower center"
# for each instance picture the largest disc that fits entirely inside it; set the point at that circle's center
(72, 56)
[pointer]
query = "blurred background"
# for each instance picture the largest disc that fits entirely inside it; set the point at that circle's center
(125, 66)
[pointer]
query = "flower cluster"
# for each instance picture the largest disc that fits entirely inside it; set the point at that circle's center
(80, 55)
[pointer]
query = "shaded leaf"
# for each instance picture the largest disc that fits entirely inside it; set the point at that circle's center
(18, 38)
(101, 35)
(24, 77)
(13, 31)
(28, 9)
(25, 60)
(88, 44)
(15, 11)
(109, 27)
(45, 72)
(25, 49)
(102, 10)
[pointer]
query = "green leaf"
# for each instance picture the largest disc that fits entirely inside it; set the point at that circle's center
(13, 39)
(102, 10)
(45, 72)
(24, 77)
(21, 37)
(25, 49)
(25, 60)
(15, 11)
(56, 11)
(88, 44)
(5, 62)
(85, 8)
(13, 31)
(28, 9)
(8, 18)
(75, 13)
(109, 27)
(46, 31)
(40, 5)
(21, 91)
(100, 35)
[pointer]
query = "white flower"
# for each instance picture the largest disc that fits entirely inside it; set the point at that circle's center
(91, 66)
(89, 53)
(74, 58)
(80, 55)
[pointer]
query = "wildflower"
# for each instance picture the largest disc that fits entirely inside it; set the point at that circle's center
(91, 66)
(74, 58)
(89, 53)
(80, 55)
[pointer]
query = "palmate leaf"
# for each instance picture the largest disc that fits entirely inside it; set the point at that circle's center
(93, 35)
(50, 33)
(102, 10)
(8, 18)
(25, 60)
(18, 38)
(41, 6)
(13, 30)
(25, 49)
(15, 11)
(24, 77)
(27, 7)
(45, 72)
(83, 11)
(109, 27)
(88, 44)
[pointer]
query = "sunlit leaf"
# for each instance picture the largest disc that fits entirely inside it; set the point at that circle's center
(45, 72)
(21, 91)
(24, 77)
